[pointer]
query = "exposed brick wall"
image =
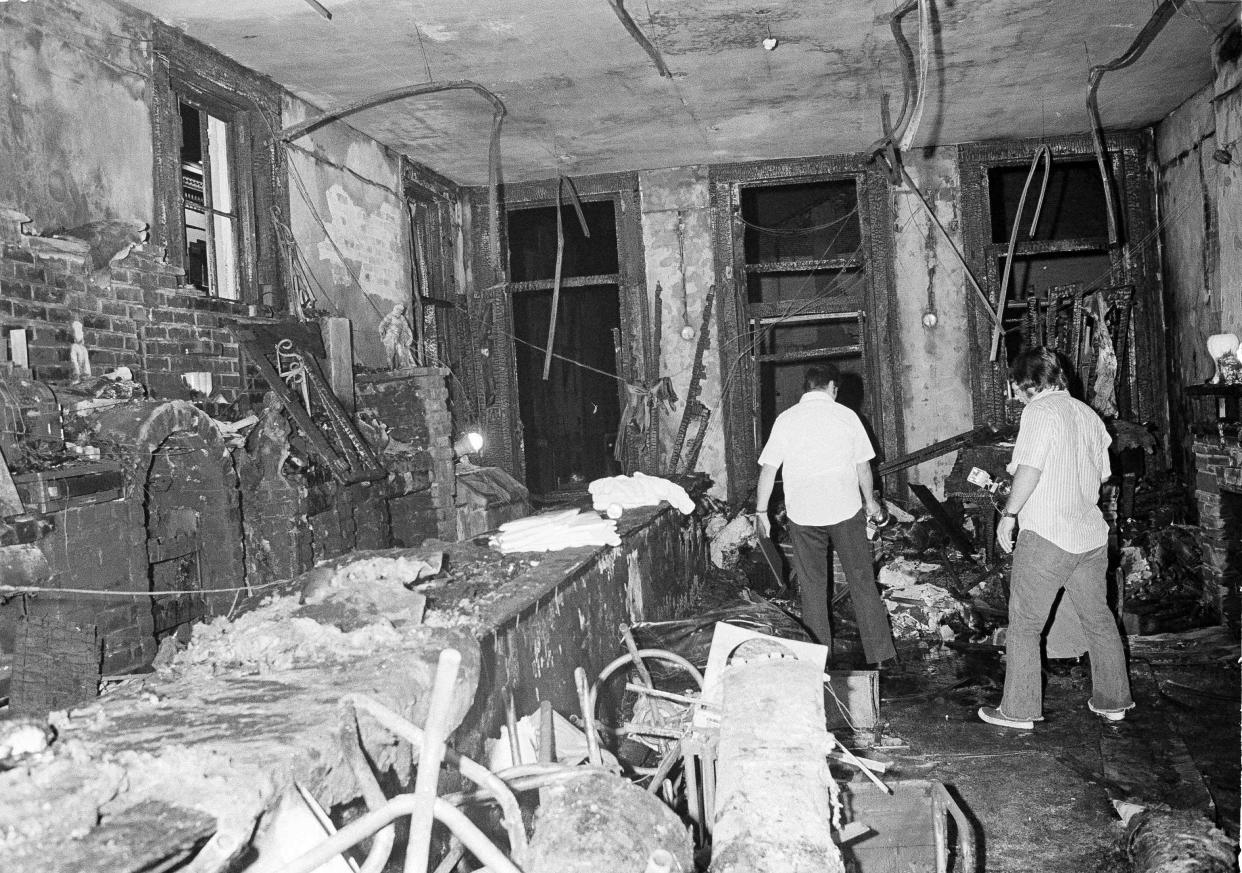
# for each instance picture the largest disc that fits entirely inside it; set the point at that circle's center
(1218, 493)
(135, 312)
(413, 404)
(102, 547)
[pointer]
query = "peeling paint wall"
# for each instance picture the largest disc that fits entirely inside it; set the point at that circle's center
(677, 239)
(935, 362)
(349, 217)
(75, 128)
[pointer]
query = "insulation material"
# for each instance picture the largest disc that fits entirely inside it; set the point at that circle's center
(374, 583)
(630, 492)
(274, 637)
(1178, 841)
(776, 801)
(727, 538)
(729, 643)
(553, 531)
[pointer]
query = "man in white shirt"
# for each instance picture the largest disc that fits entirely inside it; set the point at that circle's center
(1059, 461)
(827, 456)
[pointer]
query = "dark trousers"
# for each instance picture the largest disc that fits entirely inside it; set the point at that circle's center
(812, 558)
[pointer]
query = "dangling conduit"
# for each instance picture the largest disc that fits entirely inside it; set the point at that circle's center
(1045, 154)
(493, 153)
(618, 6)
(1164, 12)
(899, 135)
(561, 181)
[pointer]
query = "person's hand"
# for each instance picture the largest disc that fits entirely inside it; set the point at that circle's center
(875, 511)
(765, 524)
(1004, 533)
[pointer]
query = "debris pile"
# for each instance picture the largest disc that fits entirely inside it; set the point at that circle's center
(275, 636)
(1162, 573)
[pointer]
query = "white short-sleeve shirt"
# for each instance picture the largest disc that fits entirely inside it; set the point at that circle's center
(820, 443)
(1067, 442)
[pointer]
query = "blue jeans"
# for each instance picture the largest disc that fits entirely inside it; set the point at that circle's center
(812, 560)
(1040, 571)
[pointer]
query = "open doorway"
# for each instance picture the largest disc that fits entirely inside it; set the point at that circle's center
(806, 284)
(569, 420)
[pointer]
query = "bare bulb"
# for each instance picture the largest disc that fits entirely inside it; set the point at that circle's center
(929, 319)
(770, 44)
(688, 333)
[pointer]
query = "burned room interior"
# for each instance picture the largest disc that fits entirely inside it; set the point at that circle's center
(415, 415)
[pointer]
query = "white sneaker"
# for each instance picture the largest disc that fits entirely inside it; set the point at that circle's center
(1109, 714)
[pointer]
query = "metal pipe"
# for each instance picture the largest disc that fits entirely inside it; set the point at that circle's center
(618, 6)
(654, 654)
(515, 751)
(1046, 154)
(547, 733)
(452, 857)
(588, 716)
(471, 769)
(454, 819)
(1159, 18)
(381, 846)
(529, 782)
(426, 783)
(667, 763)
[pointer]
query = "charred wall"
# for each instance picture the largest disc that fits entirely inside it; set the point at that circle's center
(1200, 190)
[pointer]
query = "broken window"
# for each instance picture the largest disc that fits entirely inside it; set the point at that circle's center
(569, 420)
(1068, 286)
(1070, 241)
(805, 281)
(208, 202)
(219, 176)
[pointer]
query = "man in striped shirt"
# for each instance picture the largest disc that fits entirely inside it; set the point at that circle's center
(1059, 461)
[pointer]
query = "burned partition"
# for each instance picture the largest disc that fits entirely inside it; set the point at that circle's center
(143, 488)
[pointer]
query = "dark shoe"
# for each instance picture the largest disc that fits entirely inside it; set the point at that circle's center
(993, 715)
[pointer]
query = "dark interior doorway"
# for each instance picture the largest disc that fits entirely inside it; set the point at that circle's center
(569, 421)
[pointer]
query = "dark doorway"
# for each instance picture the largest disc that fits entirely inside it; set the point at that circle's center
(806, 280)
(569, 420)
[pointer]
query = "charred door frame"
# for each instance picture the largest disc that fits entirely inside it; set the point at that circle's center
(504, 422)
(881, 332)
(1136, 263)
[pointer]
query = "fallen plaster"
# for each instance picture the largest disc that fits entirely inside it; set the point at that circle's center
(776, 801)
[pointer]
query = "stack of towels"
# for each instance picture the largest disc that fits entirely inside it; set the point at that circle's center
(552, 531)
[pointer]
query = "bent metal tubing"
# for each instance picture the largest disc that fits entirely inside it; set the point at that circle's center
(381, 846)
(472, 770)
(401, 806)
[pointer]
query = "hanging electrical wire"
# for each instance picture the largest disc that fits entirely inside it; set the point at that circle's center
(294, 131)
(1163, 14)
(1043, 153)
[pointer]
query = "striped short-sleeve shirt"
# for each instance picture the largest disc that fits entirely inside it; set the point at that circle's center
(1066, 441)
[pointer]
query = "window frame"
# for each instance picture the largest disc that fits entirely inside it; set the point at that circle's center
(188, 71)
(1128, 154)
(504, 424)
(879, 330)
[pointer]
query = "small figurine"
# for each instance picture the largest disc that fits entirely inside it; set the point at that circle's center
(1220, 346)
(78, 355)
(397, 337)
